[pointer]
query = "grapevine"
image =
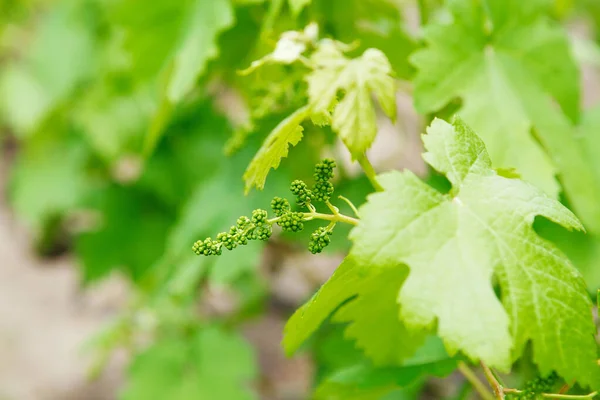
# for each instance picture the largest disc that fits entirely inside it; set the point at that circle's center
(260, 227)
(464, 130)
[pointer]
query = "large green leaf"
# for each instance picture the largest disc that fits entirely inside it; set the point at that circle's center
(368, 24)
(207, 20)
(455, 244)
(130, 235)
(509, 63)
(183, 33)
(362, 381)
(61, 55)
(368, 296)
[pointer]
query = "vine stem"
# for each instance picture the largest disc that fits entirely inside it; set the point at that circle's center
(331, 217)
(369, 172)
(496, 386)
(474, 381)
(307, 216)
(352, 206)
(569, 396)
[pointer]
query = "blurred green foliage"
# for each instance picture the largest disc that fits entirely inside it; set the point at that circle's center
(123, 112)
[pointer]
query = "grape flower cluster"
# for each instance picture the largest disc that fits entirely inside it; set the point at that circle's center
(260, 227)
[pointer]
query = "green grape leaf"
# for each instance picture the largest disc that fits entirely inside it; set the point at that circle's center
(210, 365)
(354, 117)
(113, 122)
(364, 382)
(455, 244)
(361, 380)
(581, 248)
(208, 19)
(178, 34)
(372, 24)
(130, 234)
(372, 310)
(507, 62)
(60, 57)
(274, 148)
(289, 48)
(375, 313)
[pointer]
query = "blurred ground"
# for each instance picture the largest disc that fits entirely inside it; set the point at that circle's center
(46, 319)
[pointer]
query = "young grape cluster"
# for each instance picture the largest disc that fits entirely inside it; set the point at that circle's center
(534, 388)
(255, 228)
(259, 226)
(319, 239)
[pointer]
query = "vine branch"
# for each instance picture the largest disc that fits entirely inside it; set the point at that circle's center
(474, 381)
(369, 172)
(496, 386)
(352, 206)
(338, 217)
(569, 396)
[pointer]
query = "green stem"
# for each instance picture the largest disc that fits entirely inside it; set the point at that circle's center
(355, 210)
(331, 217)
(489, 375)
(369, 172)
(307, 216)
(331, 207)
(569, 396)
(474, 381)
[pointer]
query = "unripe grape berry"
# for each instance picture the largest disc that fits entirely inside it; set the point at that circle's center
(322, 191)
(319, 239)
(280, 206)
(291, 222)
(301, 191)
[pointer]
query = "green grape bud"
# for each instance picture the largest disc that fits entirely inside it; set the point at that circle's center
(324, 170)
(301, 191)
(228, 240)
(280, 206)
(206, 247)
(263, 232)
(243, 222)
(259, 216)
(319, 239)
(291, 222)
(322, 191)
